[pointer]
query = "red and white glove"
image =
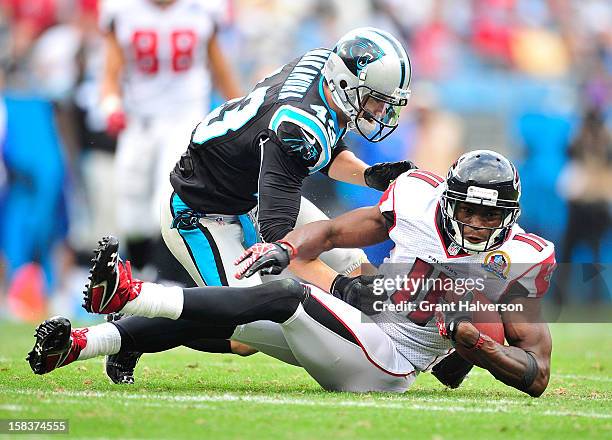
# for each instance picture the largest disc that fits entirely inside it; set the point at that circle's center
(115, 116)
(266, 258)
(448, 321)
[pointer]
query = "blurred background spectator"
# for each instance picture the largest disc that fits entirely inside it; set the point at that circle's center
(529, 78)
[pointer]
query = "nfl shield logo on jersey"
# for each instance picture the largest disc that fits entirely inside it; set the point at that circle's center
(453, 248)
(497, 263)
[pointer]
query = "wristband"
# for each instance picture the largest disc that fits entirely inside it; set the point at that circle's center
(530, 373)
(289, 248)
(336, 279)
(478, 343)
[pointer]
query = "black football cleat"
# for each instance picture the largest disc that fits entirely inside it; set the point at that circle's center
(120, 367)
(56, 345)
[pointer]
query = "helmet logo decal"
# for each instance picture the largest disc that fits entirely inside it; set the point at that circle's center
(358, 53)
(516, 183)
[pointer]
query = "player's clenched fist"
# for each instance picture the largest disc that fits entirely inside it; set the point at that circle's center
(115, 116)
(379, 176)
(266, 258)
(448, 321)
(115, 123)
(358, 292)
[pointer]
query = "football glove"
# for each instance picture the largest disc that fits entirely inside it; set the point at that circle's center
(379, 176)
(452, 370)
(358, 292)
(266, 258)
(115, 123)
(115, 116)
(448, 321)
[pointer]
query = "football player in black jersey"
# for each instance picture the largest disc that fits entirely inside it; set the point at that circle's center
(240, 180)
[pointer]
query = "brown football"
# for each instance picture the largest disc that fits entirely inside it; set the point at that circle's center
(488, 322)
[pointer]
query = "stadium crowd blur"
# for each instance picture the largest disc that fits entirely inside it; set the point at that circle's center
(531, 78)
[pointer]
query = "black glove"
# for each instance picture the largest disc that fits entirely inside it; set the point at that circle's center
(358, 292)
(448, 321)
(452, 370)
(379, 176)
(267, 258)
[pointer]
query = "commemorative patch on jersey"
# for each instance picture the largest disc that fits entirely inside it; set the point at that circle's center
(497, 263)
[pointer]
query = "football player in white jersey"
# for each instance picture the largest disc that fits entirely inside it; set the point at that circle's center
(347, 340)
(462, 227)
(160, 58)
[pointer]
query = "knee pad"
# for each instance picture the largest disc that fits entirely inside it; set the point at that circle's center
(293, 287)
(282, 297)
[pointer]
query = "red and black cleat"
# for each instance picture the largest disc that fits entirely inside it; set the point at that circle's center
(111, 284)
(56, 345)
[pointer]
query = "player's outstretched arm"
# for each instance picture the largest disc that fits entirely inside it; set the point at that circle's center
(357, 228)
(525, 364)
(348, 168)
(223, 77)
(302, 246)
(110, 93)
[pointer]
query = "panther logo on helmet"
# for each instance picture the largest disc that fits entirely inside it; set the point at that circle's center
(360, 51)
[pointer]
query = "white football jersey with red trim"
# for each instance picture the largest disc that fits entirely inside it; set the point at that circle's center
(165, 51)
(424, 261)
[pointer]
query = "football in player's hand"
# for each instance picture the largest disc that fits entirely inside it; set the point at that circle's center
(488, 322)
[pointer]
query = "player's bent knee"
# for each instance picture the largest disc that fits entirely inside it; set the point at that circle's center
(287, 288)
(281, 298)
(242, 349)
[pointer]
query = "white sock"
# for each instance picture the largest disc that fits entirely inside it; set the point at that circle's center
(156, 301)
(102, 340)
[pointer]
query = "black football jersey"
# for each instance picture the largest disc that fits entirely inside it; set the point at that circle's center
(256, 150)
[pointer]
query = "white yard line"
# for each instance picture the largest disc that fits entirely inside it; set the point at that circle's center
(11, 408)
(581, 377)
(195, 401)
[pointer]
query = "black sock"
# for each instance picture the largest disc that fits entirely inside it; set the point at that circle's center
(211, 345)
(152, 335)
(274, 301)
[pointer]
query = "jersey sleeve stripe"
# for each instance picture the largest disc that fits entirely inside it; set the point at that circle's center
(548, 263)
(394, 211)
(307, 122)
(425, 177)
(432, 175)
(529, 241)
(389, 193)
(536, 238)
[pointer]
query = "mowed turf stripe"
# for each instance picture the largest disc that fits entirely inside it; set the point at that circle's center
(188, 400)
(557, 376)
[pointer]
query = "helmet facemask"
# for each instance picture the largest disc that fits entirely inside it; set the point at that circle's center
(376, 115)
(484, 197)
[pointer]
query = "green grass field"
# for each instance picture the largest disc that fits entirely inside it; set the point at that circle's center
(185, 394)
